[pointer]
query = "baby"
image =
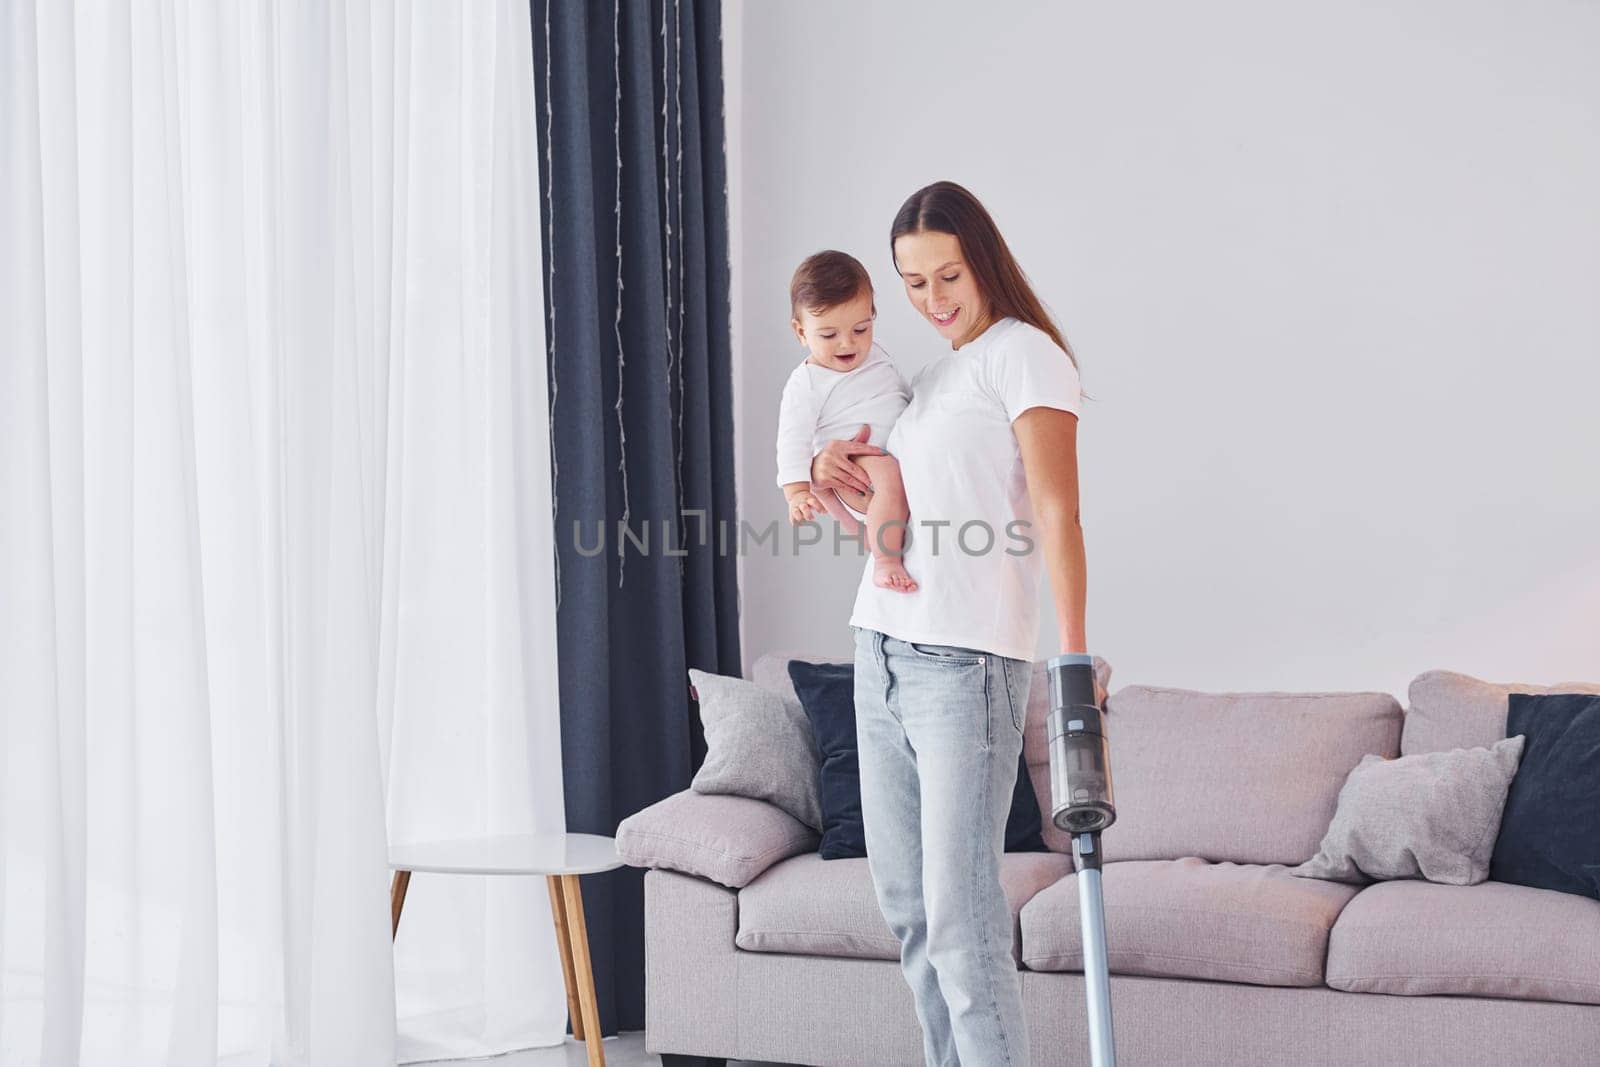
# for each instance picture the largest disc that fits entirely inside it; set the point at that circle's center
(844, 382)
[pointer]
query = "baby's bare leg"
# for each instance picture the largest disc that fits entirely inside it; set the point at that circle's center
(887, 514)
(835, 507)
(860, 501)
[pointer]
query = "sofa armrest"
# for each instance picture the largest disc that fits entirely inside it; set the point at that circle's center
(727, 839)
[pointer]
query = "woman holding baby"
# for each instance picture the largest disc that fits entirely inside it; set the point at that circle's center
(987, 465)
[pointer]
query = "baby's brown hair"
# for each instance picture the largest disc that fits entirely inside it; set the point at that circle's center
(826, 280)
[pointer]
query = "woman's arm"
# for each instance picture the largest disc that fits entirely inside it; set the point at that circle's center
(1048, 440)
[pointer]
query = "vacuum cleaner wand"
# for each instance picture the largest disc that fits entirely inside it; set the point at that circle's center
(1081, 805)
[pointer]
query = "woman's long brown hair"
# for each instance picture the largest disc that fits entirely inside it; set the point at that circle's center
(945, 207)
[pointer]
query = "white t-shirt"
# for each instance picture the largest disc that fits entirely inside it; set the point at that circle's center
(820, 404)
(960, 464)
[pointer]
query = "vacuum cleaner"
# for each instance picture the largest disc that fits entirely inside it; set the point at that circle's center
(1080, 805)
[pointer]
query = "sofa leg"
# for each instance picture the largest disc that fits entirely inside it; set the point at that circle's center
(673, 1059)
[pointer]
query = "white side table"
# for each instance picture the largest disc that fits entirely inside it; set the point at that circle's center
(560, 858)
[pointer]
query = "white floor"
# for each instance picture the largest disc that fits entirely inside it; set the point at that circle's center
(624, 1050)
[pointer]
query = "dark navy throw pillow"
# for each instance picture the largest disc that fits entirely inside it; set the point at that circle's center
(827, 692)
(1024, 829)
(1550, 829)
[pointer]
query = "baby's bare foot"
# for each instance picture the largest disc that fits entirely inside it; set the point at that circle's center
(891, 574)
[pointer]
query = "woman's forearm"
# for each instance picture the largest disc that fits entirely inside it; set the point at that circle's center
(1061, 540)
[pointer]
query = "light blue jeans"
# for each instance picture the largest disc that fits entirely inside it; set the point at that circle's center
(939, 729)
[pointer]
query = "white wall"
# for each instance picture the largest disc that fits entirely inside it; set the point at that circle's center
(1331, 274)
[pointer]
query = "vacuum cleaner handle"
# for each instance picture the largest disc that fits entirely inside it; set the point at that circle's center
(1080, 755)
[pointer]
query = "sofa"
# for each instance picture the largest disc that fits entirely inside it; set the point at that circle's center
(757, 949)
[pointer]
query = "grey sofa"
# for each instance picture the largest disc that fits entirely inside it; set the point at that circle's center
(758, 949)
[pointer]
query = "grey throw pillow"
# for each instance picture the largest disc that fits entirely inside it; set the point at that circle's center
(1434, 815)
(759, 745)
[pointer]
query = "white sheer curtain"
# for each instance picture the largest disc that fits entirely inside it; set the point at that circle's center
(274, 545)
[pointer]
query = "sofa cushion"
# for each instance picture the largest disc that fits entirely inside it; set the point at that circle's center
(758, 744)
(1240, 777)
(1549, 837)
(1187, 918)
(827, 693)
(728, 839)
(1432, 815)
(1451, 710)
(1416, 938)
(815, 907)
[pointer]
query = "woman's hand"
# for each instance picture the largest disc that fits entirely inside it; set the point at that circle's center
(832, 468)
(1100, 693)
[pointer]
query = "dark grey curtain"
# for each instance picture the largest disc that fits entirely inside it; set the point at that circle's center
(636, 255)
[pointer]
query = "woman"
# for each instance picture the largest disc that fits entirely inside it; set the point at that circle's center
(988, 457)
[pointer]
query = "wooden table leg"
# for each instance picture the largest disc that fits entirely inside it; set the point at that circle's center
(584, 972)
(397, 900)
(558, 908)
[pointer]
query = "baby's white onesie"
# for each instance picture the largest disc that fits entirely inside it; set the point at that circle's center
(821, 405)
